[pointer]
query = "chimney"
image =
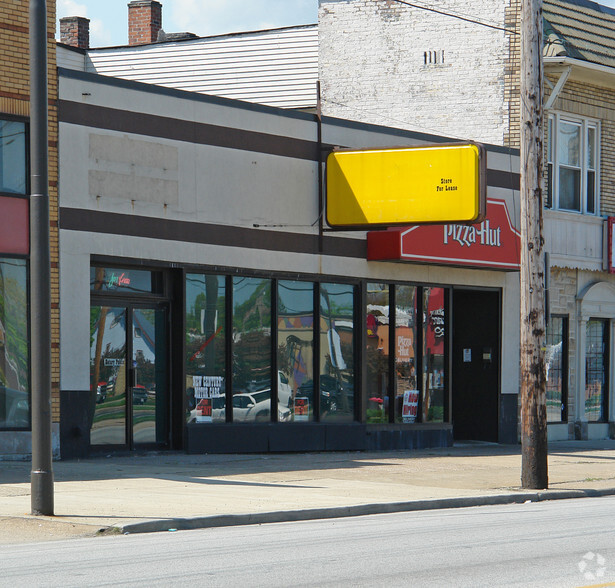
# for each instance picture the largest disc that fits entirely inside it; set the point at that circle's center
(75, 31)
(144, 21)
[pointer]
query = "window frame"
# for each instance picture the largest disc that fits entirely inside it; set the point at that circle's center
(606, 371)
(26, 154)
(554, 164)
(564, 365)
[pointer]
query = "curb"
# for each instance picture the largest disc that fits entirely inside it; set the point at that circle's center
(185, 524)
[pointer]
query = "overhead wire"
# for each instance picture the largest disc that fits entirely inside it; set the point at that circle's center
(457, 16)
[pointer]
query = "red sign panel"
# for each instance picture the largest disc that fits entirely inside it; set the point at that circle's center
(14, 226)
(495, 243)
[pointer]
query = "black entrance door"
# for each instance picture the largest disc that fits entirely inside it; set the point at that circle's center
(476, 364)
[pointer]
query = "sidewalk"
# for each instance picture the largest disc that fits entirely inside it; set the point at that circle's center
(161, 491)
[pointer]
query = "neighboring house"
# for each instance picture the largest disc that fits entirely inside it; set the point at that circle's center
(454, 69)
(15, 318)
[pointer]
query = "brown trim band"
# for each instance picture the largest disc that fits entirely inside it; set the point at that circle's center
(74, 219)
(182, 130)
(502, 179)
(15, 96)
(16, 28)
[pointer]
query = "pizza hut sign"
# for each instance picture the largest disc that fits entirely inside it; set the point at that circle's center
(494, 243)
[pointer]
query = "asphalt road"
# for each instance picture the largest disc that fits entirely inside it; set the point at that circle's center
(560, 543)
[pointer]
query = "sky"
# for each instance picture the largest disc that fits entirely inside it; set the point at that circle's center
(109, 18)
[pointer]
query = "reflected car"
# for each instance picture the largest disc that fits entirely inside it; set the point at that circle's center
(256, 407)
(139, 394)
(101, 392)
(331, 391)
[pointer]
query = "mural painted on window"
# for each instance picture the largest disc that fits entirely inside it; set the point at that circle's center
(336, 352)
(14, 360)
(296, 350)
(205, 360)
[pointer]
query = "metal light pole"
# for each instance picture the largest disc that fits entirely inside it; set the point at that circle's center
(40, 271)
(533, 381)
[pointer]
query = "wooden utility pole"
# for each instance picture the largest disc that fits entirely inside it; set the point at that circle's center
(533, 381)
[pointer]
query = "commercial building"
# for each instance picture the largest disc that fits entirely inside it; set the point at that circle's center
(205, 304)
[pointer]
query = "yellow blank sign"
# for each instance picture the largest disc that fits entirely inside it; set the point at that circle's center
(403, 186)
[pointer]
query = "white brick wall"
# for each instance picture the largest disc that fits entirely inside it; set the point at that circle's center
(372, 66)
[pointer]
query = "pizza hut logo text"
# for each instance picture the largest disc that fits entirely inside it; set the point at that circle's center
(469, 235)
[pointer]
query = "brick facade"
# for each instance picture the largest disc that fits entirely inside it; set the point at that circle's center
(75, 31)
(144, 21)
(14, 100)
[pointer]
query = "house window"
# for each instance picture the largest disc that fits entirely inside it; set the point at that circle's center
(13, 162)
(572, 164)
(557, 369)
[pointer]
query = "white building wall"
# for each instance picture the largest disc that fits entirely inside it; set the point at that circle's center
(372, 66)
(223, 186)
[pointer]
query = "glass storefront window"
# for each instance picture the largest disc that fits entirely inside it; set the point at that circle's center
(128, 281)
(336, 352)
(556, 373)
(406, 390)
(596, 372)
(295, 351)
(433, 355)
(252, 350)
(14, 359)
(205, 360)
(13, 157)
(377, 353)
(108, 375)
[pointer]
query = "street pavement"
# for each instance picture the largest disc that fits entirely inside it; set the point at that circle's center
(162, 491)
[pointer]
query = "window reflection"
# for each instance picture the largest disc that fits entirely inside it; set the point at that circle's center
(205, 359)
(252, 351)
(108, 375)
(555, 374)
(12, 157)
(596, 354)
(14, 360)
(407, 393)
(336, 352)
(377, 353)
(296, 350)
(433, 354)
